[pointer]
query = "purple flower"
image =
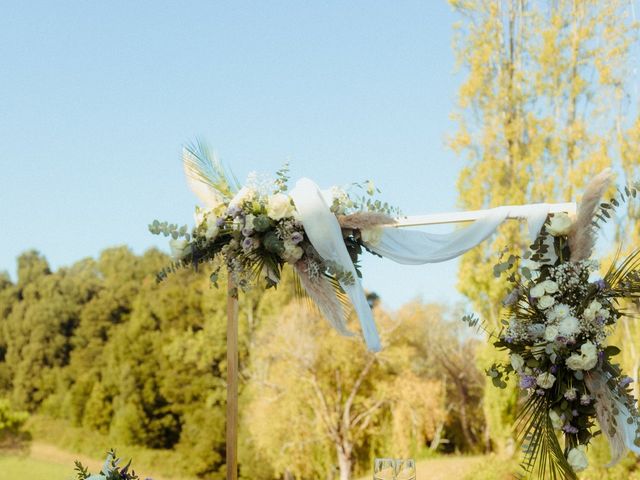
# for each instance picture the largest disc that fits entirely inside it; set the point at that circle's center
(540, 392)
(585, 399)
(553, 369)
(511, 298)
(234, 211)
(220, 222)
(247, 231)
(527, 381)
(625, 381)
(574, 413)
(568, 428)
(296, 237)
(247, 244)
(600, 320)
(601, 284)
(509, 339)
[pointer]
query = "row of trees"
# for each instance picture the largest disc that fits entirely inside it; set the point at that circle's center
(105, 347)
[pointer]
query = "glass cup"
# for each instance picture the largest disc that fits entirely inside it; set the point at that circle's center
(384, 469)
(405, 469)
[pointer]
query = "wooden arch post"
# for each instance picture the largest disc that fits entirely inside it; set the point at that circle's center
(232, 322)
(232, 379)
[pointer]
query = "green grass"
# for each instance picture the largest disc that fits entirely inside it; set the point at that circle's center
(22, 467)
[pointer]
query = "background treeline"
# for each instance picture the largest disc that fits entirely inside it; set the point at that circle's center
(102, 346)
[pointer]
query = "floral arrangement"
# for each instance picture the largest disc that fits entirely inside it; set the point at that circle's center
(110, 470)
(254, 230)
(559, 315)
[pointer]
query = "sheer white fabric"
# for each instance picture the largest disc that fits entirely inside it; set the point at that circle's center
(403, 246)
(412, 247)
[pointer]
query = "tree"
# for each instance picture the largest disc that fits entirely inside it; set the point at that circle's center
(543, 97)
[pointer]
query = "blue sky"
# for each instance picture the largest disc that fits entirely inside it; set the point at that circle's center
(97, 99)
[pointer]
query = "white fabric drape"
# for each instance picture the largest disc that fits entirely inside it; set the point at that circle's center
(409, 247)
(412, 247)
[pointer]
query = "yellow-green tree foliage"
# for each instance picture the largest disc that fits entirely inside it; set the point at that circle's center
(539, 112)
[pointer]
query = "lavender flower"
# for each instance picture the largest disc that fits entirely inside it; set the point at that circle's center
(601, 284)
(568, 428)
(571, 394)
(527, 381)
(247, 244)
(296, 237)
(553, 369)
(585, 399)
(234, 211)
(247, 231)
(625, 381)
(511, 298)
(220, 222)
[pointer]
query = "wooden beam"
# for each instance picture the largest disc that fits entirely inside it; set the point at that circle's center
(469, 216)
(232, 379)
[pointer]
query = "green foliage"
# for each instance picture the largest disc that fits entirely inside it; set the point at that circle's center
(11, 421)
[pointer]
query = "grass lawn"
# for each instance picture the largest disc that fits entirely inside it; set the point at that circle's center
(444, 468)
(14, 467)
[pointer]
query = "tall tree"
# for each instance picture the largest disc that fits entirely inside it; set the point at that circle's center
(543, 97)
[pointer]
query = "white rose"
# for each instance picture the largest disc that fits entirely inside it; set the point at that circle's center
(537, 291)
(550, 333)
(212, 231)
(550, 286)
(292, 253)
(604, 313)
(560, 225)
(372, 235)
(585, 360)
(590, 354)
(546, 302)
(556, 421)
(244, 195)
(279, 206)
(577, 458)
(178, 248)
(569, 326)
(591, 311)
(517, 362)
(545, 380)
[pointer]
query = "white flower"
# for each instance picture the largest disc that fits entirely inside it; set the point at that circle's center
(592, 310)
(556, 421)
(517, 362)
(569, 326)
(577, 458)
(537, 291)
(244, 195)
(560, 225)
(212, 231)
(372, 235)
(545, 380)
(279, 206)
(551, 332)
(178, 247)
(550, 286)
(571, 394)
(585, 360)
(560, 311)
(546, 302)
(292, 252)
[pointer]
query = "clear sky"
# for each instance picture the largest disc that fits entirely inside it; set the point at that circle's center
(97, 99)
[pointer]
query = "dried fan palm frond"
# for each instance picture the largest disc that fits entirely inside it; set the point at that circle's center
(364, 220)
(206, 176)
(325, 296)
(582, 235)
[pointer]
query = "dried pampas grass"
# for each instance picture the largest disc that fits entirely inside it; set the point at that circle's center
(322, 292)
(582, 235)
(364, 220)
